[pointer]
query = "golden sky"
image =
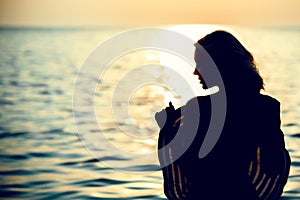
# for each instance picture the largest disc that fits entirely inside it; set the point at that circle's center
(148, 12)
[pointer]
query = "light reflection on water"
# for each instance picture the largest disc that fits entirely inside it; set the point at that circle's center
(40, 152)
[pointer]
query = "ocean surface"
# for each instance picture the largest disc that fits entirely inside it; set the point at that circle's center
(42, 152)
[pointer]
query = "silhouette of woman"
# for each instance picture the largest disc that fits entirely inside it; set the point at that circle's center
(249, 161)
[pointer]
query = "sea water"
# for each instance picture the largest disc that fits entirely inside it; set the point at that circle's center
(42, 155)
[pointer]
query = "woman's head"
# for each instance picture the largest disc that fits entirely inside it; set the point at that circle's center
(234, 62)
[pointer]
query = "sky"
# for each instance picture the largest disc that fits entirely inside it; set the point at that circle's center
(148, 12)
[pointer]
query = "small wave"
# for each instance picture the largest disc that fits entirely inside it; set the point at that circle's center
(148, 197)
(38, 85)
(12, 193)
(6, 102)
(112, 158)
(38, 183)
(61, 195)
(142, 168)
(94, 160)
(20, 172)
(290, 124)
(73, 163)
(58, 130)
(5, 134)
(43, 154)
(138, 188)
(13, 157)
(100, 182)
(295, 164)
(297, 135)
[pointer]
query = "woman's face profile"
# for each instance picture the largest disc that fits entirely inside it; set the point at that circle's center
(200, 67)
(197, 68)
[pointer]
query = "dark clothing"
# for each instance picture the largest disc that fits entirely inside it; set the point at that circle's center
(249, 161)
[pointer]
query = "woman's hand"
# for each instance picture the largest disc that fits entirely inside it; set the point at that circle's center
(166, 117)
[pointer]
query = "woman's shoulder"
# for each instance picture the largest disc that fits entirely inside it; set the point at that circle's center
(268, 102)
(268, 99)
(262, 102)
(267, 111)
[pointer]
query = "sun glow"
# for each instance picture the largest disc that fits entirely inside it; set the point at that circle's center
(197, 31)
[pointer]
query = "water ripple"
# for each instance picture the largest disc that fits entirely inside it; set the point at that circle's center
(41, 154)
